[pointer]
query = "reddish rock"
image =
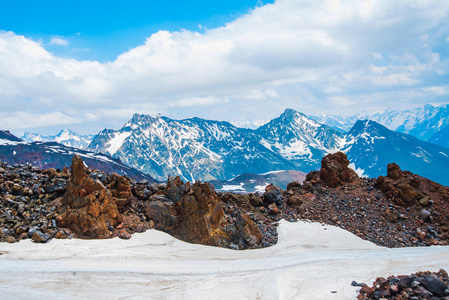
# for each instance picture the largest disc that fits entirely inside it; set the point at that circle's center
(123, 234)
(334, 170)
(272, 209)
(402, 187)
(87, 207)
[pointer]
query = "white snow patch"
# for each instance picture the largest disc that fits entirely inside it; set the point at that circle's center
(117, 141)
(232, 187)
(273, 172)
(8, 142)
(260, 188)
(157, 266)
(359, 171)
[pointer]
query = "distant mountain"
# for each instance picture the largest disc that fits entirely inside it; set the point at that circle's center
(65, 137)
(198, 149)
(249, 183)
(371, 146)
(7, 138)
(53, 155)
(299, 139)
(427, 123)
(195, 149)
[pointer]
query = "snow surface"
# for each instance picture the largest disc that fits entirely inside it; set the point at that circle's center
(310, 261)
(117, 141)
(8, 142)
(232, 187)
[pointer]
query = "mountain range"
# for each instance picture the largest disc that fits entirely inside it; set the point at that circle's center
(199, 149)
(195, 149)
(65, 137)
(428, 123)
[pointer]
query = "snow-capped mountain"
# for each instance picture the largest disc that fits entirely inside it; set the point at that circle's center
(427, 123)
(7, 138)
(198, 149)
(195, 149)
(65, 137)
(54, 155)
(299, 139)
(371, 146)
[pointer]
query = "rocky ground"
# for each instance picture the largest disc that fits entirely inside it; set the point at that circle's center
(400, 209)
(421, 285)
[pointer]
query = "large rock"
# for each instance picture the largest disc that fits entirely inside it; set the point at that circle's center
(193, 213)
(273, 194)
(334, 170)
(120, 189)
(401, 187)
(87, 207)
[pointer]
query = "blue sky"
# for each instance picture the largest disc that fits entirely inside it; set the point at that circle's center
(92, 65)
(101, 30)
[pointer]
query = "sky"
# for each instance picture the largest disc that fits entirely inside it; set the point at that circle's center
(90, 65)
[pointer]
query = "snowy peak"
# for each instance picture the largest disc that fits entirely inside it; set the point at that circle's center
(141, 121)
(371, 146)
(192, 148)
(65, 137)
(297, 137)
(428, 123)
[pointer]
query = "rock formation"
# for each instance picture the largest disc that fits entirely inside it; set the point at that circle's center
(194, 213)
(334, 170)
(87, 207)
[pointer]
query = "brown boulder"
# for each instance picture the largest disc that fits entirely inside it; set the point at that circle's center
(334, 170)
(193, 213)
(393, 171)
(162, 212)
(202, 215)
(87, 207)
(401, 187)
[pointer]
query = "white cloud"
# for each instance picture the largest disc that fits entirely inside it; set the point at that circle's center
(56, 40)
(313, 56)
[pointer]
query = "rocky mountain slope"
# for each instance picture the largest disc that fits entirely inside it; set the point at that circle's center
(53, 155)
(427, 123)
(192, 148)
(65, 137)
(371, 146)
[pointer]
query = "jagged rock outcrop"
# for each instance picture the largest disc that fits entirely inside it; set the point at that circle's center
(334, 170)
(87, 208)
(193, 213)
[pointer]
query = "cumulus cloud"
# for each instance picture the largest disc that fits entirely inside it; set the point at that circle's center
(56, 40)
(331, 56)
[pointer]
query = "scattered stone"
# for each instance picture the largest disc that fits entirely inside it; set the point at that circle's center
(421, 285)
(39, 237)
